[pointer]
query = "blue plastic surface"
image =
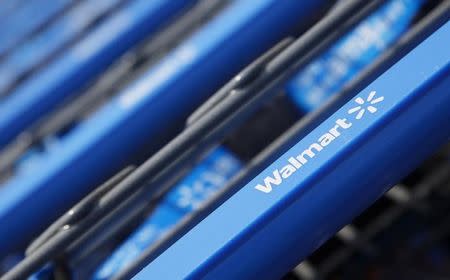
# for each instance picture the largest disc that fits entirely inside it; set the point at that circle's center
(326, 179)
(22, 19)
(99, 146)
(9, 8)
(39, 48)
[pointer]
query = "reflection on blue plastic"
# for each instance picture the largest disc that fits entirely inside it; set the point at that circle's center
(326, 75)
(204, 181)
(326, 179)
(101, 145)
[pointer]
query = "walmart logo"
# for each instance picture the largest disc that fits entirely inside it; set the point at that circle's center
(296, 162)
(364, 105)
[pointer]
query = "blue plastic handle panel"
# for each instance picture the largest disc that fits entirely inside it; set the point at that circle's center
(51, 181)
(73, 69)
(30, 16)
(326, 179)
